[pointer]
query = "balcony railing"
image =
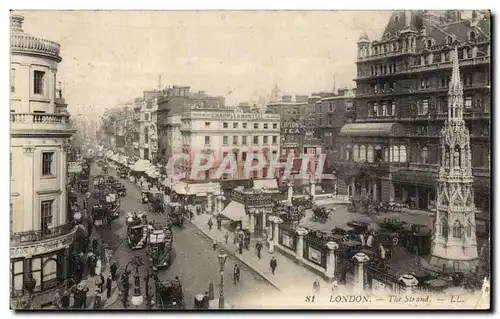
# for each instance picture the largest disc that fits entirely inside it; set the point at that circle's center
(361, 164)
(37, 235)
(23, 42)
(448, 64)
(39, 121)
(433, 168)
(385, 55)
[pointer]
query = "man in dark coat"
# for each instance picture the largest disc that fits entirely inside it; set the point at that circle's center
(210, 224)
(65, 300)
(273, 264)
(219, 222)
(236, 274)
(206, 301)
(113, 270)
(109, 283)
(258, 247)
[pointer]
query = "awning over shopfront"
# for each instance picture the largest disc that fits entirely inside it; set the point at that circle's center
(140, 166)
(418, 178)
(372, 129)
(109, 154)
(269, 184)
(235, 211)
(152, 172)
(182, 188)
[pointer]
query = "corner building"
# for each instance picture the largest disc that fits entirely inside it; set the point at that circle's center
(392, 149)
(40, 229)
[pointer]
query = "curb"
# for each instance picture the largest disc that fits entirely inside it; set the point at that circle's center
(249, 265)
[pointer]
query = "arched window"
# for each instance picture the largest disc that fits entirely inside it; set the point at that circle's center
(429, 43)
(356, 153)
(394, 153)
(469, 229)
(425, 155)
(362, 153)
(369, 154)
(457, 230)
(449, 40)
(386, 155)
(472, 35)
(348, 152)
(402, 154)
(444, 227)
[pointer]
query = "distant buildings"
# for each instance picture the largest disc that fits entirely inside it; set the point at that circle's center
(41, 231)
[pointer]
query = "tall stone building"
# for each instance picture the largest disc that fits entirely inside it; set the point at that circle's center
(454, 243)
(40, 228)
(391, 151)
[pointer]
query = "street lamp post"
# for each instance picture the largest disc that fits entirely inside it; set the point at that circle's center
(222, 256)
(137, 298)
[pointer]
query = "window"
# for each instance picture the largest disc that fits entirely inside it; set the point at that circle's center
(235, 140)
(425, 155)
(275, 125)
(16, 270)
(244, 140)
(13, 80)
(235, 125)
(224, 125)
(402, 154)
(457, 230)
(146, 135)
(244, 155)
(38, 82)
(375, 109)
(394, 154)
(49, 271)
(369, 154)
(384, 109)
(245, 125)
(449, 40)
(207, 123)
(255, 140)
(225, 140)
(429, 43)
(424, 107)
(472, 35)
(330, 106)
(265, 139)
(362, 153)
(46, 215)
(393, 108)
(424, 83)
(47, 164)
(146, 116)
(468, 102)
(266, 126)
(207, 140)
(444, 227)
(256, 126)
(469, 229)
(356, 153)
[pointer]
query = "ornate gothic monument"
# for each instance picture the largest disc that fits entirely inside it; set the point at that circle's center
(454, 242)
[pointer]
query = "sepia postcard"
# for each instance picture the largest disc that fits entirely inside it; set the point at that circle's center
(228, 160)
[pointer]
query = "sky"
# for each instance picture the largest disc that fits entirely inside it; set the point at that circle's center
(110, 57)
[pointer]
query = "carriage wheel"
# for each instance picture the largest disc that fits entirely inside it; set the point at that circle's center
(395, 241)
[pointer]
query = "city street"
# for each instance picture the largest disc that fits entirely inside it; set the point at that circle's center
(194, 262)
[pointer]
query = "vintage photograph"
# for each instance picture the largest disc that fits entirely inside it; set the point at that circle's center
(229, 160)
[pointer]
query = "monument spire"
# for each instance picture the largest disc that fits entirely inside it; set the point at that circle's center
(455, 92)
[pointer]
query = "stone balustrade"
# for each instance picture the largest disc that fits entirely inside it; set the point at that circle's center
(38, 235)
(27, 43)
(43, 121)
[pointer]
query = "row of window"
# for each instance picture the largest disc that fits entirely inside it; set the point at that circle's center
(48, 164)
(245, 125)
(244, 155)
(457, 229)
(265, 140)
(43, 269)
(371, 154)
(382, 109)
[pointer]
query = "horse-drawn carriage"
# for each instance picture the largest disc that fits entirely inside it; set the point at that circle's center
(137, 230)
(160, 245)
(169, 295)
(122, 172)
(84, 185)
(119, 188)
(155, 200)
(304, 201)
(175, 213)
(322, 213)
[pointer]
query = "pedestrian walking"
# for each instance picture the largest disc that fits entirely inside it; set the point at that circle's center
(219, 222)
(109, 286)
(316, 286)
(240, 247)
(210, 224)
(65, 300)
(113, 270)
(226, 237)
(56, 301)
(214, 244)
(258, 247)
(236, 274)
(273, 265)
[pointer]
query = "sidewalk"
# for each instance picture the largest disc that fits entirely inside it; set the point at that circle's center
(289, 276)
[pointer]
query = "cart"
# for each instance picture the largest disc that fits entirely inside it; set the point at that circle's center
(175, 212)
(145, 196)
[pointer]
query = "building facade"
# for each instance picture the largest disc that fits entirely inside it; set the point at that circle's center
(392, 150)
(148, 138)
(225, 132)
(40, 228)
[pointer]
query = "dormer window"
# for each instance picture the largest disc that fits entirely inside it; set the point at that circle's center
(398, 33)
(429, 43)
(396, 18)
(449, 40)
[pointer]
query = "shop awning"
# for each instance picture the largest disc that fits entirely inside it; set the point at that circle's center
(140, 166)
(123, 160)
(180, 188)
(109, 154)
(152, 172)
(235, 211)
(372, 129)
(265, 184)
(420, 178)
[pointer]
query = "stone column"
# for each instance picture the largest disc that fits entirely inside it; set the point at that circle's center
(300, 242)
(331, 261)
(290, 192)
(409, 281)
(209, 203)
(264, 216)
(251, 215)
(313, 188)
(276, 221)
(375, 191)
(360, 258)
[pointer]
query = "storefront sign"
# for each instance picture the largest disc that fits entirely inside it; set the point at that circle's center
(43, 247)
(233, 116)
(258, 200)
(291, 127)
